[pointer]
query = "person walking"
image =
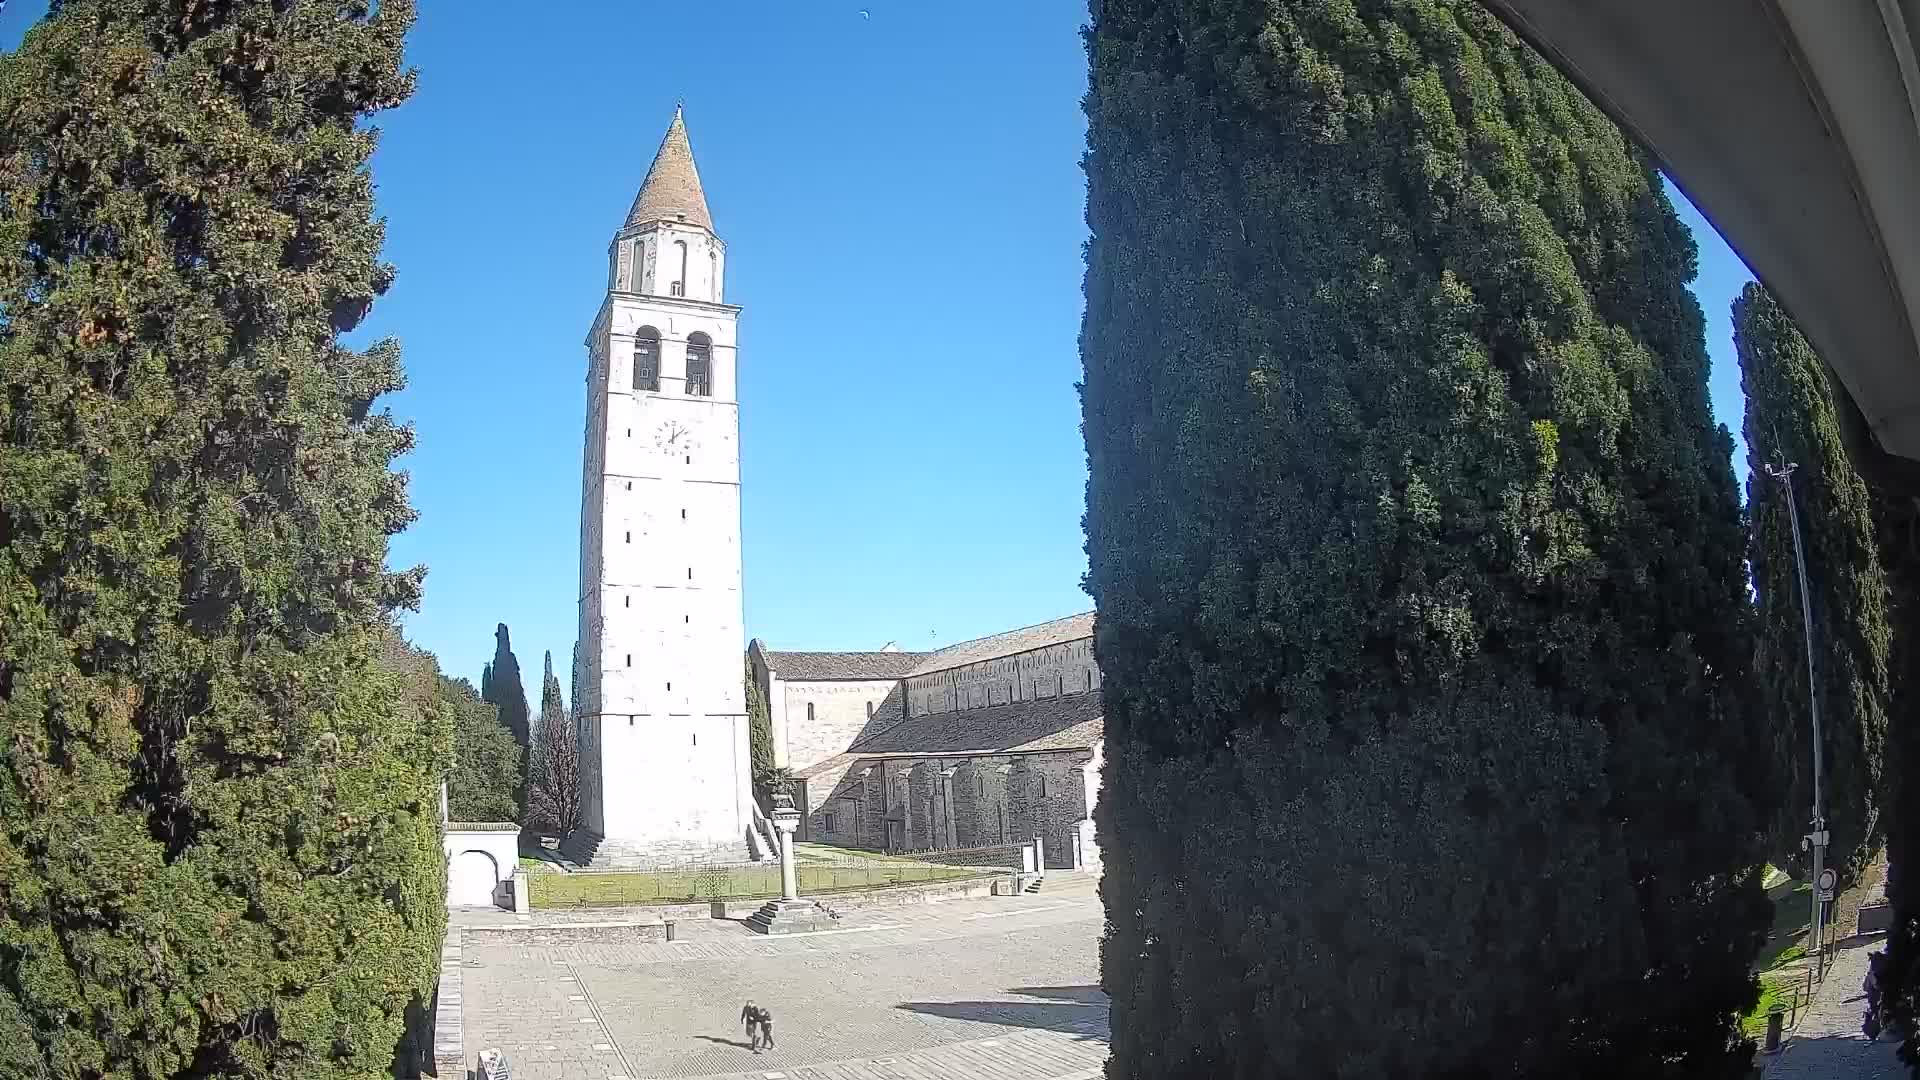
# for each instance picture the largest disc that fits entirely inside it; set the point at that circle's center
(766, 1028)
(754, 1017)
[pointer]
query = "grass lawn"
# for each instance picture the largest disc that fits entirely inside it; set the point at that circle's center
(726, 883)
(1776, 989)
(1792, 901)
(811, 852)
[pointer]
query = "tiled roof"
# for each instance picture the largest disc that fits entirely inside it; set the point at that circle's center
(833, 666)
(1071, 628)
(1058, 723)
(672, 188)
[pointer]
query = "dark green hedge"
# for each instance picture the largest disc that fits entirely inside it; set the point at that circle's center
(1418, 560)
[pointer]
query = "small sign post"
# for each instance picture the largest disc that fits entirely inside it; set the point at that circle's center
(1824, 886)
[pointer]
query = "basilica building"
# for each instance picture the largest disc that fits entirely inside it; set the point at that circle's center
(989, 742)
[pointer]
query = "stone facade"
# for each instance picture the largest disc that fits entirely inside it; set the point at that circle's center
(662, 713)
(988, 742)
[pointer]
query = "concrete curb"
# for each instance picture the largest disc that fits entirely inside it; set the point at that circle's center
(449, 1036)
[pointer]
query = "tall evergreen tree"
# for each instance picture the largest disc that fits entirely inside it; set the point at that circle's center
(759, 737)
(486, 683)
(1790, 418)
(554, 794)
(1897, 522)
(1418, 562)
(511, 696)
(550, 701)
(219, 851)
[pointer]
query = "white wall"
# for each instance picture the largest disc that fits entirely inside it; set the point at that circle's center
(839, 714)
(473, 852)
(663, 710)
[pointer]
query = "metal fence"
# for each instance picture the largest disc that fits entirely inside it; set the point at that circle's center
(674, 883)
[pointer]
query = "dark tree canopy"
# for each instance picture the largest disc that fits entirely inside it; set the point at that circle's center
(219, 851)
(511, 696)
(759, 737)
(1897, 522)
(1418, 561)
(1790, 418)
(486, 760)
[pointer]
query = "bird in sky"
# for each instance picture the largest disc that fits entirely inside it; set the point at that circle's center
(864, 13)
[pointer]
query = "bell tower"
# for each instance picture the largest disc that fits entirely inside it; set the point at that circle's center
(662, 710)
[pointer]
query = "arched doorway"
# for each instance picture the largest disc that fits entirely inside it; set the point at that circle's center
(472, 878)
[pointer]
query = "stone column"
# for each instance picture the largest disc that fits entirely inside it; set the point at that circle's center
(785, 821)
(946, 805)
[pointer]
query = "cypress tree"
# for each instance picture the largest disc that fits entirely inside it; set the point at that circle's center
(511, 697)
(1790, 418)
(219, 851)
(486, 683)
(1897, 523)
(759, 737)
(554, 793)
(1418, 562)
(550, 701)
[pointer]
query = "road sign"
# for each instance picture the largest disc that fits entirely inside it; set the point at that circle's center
(1824, 886)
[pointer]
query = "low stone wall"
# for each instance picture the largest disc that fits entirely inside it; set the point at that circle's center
(449, 1036)
(648, 922)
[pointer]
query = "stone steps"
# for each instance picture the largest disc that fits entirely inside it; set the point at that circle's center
(788, 917)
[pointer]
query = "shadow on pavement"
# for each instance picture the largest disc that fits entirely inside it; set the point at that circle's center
(1086, 995)
(726, 1042)
(1080, 1010)
(1837, 1057)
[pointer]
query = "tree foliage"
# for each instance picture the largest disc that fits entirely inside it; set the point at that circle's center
(1790, 418)
(1897, 524)
(486, 760)
(759, 737)
(1418, 562)
(555, 795)
(218, 842)
(502, 680)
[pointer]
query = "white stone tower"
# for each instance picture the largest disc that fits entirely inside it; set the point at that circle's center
(662, 714)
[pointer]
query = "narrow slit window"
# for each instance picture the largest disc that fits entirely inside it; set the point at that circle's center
(629, 659)
(809, 712)
(869, 710)
(629, 538)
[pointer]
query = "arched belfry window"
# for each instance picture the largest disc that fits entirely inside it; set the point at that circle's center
(699, 365)
(646, 359)
(680, 283)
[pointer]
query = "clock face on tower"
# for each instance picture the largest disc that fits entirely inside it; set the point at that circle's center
(674, 437)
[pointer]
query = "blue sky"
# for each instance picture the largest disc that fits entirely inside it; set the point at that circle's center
(903, 207)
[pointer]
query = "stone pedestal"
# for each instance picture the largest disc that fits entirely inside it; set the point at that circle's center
(788, 917)
(789, 914)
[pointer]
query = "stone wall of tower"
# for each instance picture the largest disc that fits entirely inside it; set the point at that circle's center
(649, 261)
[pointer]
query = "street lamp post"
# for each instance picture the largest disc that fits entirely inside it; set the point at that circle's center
(1816, 840)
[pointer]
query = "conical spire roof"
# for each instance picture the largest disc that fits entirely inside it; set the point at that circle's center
(672, 188)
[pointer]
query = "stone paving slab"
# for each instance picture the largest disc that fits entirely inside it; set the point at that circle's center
(1828, 1044)
(995, 989)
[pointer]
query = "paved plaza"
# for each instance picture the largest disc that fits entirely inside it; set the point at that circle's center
(991, 988)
